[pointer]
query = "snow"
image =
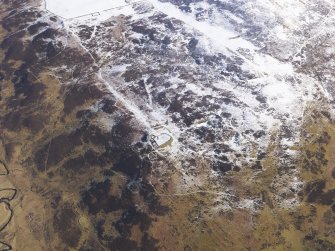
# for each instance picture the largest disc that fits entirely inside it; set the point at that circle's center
(119, 69)
(199, 91)
(75, 8)
(129, 105)
(216, 38)
(283, 97)
(219, 37)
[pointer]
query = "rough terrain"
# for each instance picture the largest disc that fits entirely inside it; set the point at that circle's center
(177, 125)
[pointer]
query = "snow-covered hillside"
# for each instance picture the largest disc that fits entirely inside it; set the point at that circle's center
(224, 77)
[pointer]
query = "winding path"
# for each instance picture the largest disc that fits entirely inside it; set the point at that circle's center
(6, 195)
